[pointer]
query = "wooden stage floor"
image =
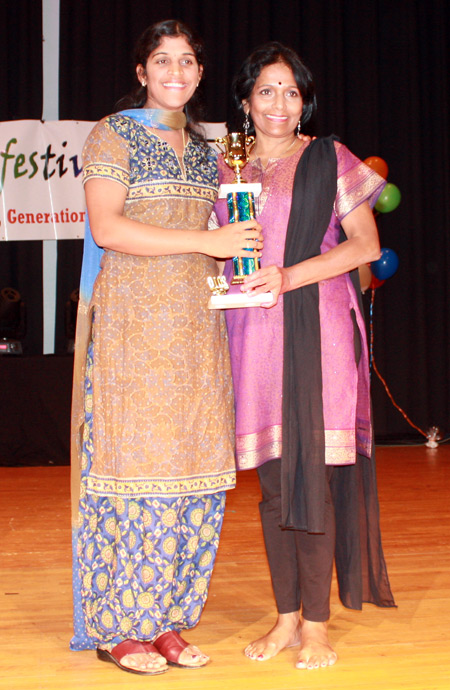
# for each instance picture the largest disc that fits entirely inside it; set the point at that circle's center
(407, 648)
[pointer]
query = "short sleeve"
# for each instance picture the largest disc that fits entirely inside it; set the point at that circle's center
(106, 155)
(356, 182)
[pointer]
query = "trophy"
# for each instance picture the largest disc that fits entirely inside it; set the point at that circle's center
(240, 198)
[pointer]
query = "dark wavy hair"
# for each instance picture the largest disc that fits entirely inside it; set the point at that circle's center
(269, 54)
(149, 40)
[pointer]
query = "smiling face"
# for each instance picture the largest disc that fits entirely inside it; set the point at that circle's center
(171, 74)
(275, 103)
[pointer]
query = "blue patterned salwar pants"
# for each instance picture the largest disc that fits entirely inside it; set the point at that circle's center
(142, 566)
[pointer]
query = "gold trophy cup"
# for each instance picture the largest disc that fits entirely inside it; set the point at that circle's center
(237, 149)
(240, 197)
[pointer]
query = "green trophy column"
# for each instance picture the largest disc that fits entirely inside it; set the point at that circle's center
(241, 206)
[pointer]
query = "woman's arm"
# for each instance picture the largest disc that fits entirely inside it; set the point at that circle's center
(362, 246)
(112, 230)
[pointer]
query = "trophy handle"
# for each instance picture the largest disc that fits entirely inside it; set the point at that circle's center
(249, 142)
(221, 140)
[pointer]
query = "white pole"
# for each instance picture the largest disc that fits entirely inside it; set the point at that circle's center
(50, 111)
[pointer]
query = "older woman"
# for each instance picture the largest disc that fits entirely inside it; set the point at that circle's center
(300, 366)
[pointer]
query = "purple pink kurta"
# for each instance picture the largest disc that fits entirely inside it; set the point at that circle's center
(256, 334)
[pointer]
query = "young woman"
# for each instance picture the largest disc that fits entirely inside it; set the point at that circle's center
(153, 410)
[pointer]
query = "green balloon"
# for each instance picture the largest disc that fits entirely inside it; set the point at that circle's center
(389, 199)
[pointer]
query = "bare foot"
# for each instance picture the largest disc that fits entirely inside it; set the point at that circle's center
(285, 633)
(316, 651)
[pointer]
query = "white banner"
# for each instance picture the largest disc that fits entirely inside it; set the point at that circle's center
(41, 195)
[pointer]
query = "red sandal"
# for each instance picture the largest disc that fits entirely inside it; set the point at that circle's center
(118, 652)
(170, 645)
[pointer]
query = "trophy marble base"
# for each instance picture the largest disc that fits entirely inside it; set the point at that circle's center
(233, 187)
(235, 299)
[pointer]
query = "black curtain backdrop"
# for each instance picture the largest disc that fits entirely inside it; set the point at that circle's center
(21, 59)
(21, 99)
(382, 77)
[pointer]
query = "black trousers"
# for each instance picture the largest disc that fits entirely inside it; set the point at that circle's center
(301, 564)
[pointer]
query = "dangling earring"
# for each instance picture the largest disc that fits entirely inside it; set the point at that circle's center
(299, 127)
(246, 124)
(144, 84)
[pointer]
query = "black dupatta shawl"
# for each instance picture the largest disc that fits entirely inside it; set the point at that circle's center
(361, 569)
(303, 458)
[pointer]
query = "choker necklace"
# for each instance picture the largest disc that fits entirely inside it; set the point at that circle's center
(159, 119)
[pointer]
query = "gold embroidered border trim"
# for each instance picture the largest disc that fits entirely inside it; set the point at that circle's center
(172, 190)
(340, 446)
(152, 486)
(360, 184)
(108, 172)
(254, 449)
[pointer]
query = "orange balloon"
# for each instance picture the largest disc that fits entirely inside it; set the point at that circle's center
(378, 164)
(365, 277)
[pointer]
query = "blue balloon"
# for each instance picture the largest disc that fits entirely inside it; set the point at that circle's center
(386, 265)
